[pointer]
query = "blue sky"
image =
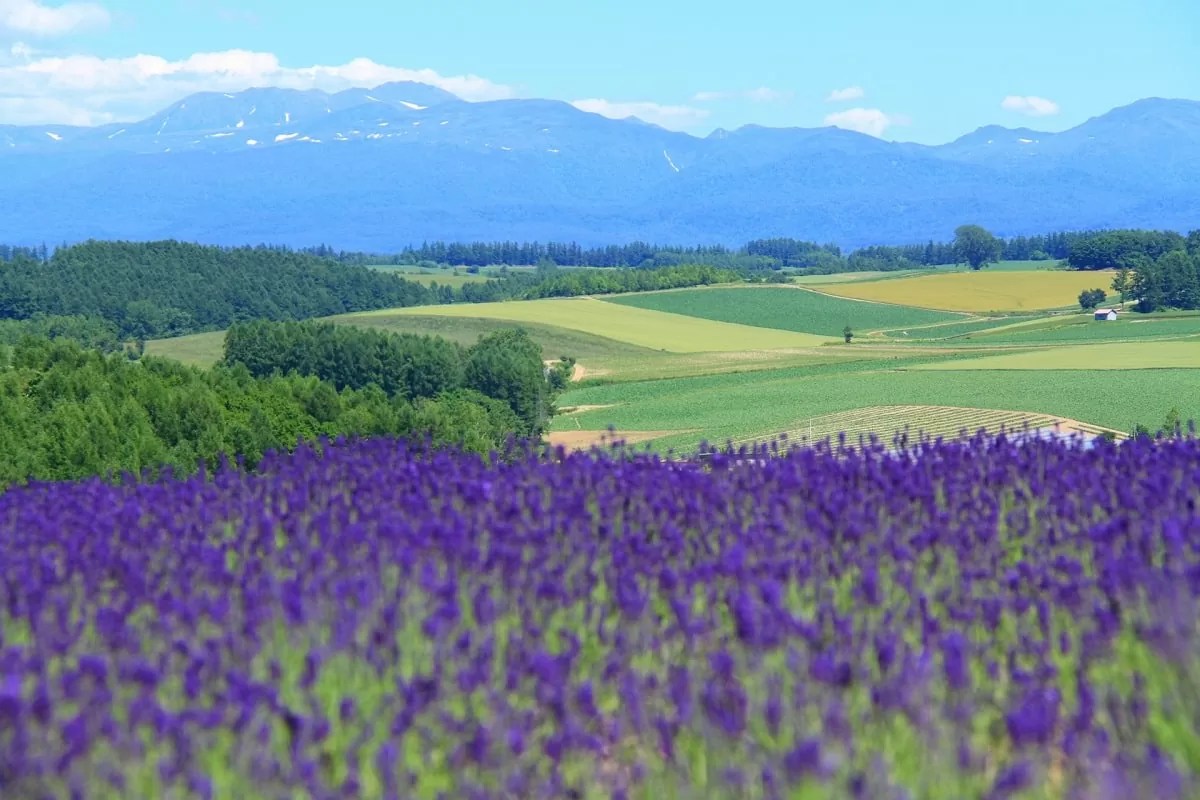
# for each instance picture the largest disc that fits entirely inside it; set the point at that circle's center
(920, 70)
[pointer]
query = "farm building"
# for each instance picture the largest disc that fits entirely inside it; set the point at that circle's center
(1106, 314)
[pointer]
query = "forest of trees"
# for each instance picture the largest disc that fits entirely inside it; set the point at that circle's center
(168, 288)
(1157, 269)
(68, 412)
(504, 367)
(91, 332)
(103, 293)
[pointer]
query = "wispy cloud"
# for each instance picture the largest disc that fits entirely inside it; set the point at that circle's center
(1030, 106)
(870, 121)
(82, 88)
(844, 95)
(762, 94)
(667, 116)
(38, 19)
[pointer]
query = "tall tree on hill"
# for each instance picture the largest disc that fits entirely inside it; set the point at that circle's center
(976, 246)
(507, 365)
(1122, 283)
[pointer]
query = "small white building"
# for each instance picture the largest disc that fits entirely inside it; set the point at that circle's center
(1105, 314)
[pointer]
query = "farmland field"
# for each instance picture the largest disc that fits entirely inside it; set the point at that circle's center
(687, 379)
(854, 277)
(1106, 356)
(637, 326)
(1020, 290)
(956, 329)
(783, 308)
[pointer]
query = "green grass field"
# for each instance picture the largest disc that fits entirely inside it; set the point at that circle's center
(763, 404)
(783, 308)
(196, 349)
(854, 277)
(954, 330)
(1103, 356)
(1082, 328)
(645, 328)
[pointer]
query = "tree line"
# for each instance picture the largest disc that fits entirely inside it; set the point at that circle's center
(758, 254)
(1128, 249)
(505, 367)
(551, 281)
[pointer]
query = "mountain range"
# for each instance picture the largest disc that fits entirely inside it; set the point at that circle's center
(376, 169)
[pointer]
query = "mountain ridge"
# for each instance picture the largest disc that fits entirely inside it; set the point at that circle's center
(378, 168)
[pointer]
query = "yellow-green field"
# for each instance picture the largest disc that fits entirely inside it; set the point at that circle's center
(197, 349)
(1030, 290)
(602, 358)
(1104, 356)
(657, 330)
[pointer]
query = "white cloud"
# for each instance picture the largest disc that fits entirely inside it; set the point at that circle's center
(842, 95)
(870, 121)
(1030, 105)
(66, 89)
(38, 19)
(673, 117)
(762, 94)
(47, 110)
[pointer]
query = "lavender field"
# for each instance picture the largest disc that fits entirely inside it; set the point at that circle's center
(978, 619)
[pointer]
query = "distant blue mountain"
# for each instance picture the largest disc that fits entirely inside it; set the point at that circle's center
(404, 162)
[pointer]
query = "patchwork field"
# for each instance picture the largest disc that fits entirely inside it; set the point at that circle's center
(606, 359)
(783, 308)
(645, 328)
(671, 369)
(1015, 290)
